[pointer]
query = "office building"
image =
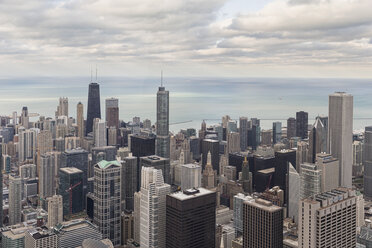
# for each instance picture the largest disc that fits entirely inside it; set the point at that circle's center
(239, 200)
(262, 224)
(55, 210)
(14, 237)
(330, 167)
(112, 136)
(340, 131)
(107, 195)
(328, 220)
(41, 238)
(277, 132)
(153, 208)
(233, 142)
(358, 158)
(94, 106)
(147, 124)
(25, 118)
(15, 200)
(80, 121)
(44, 142)
(6, 163)
(310, 180)
(191, 219)
(127, 226)
(27, 144)
(294, 182)
(71, 177)
(162, 123)
(317, 140)
(209, 175)
(129, 181)
(266, 137)
(302, 124)
(141, 146)
(112, 112)
(291, 127)
(1, 197)
(212, 146)
(191, 176)
(302, 154)
(47, 182)
(243, 131)
(246, 178)
(99, 133)
(62, 109)
(367, 162)
(158, 163)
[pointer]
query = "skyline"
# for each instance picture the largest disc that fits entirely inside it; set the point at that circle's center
(223, 38)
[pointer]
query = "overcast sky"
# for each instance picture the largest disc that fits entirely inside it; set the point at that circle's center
(216, 38)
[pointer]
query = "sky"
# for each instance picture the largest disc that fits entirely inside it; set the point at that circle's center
(196, 38)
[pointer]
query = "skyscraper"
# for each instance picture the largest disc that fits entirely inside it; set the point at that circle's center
(239, 200)
(243, 130)
(291, 127)
(44, 142)
(162, 123)
(55, 210)
(107, 193)
(47, 184)
(80, 120)
(191, 176)
(317, 140)
(153, 208)
(277, 132)
(191, 219)
(15, 200)
(294, 182)
(70, 177)
(301, 124)
(27, 144)
(25, 118)
(262, 224)
(112, 112)
(94, 106)
(212, 146)
(62, 109)
(129, 181)
(158, 163)
(340, 134)
(100, 133)
(367, 162)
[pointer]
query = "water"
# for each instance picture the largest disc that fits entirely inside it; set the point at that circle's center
(193, 99)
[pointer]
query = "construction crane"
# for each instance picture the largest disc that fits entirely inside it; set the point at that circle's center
(69, 190)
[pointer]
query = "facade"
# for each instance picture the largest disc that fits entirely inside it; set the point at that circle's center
(62, 109)
(294, 182)
(71, 177)
(107, 195)
(44, 142)
(27, 144)
(277, 132)
(212, 146)
(112, 112)
(158, 163)
(328, 220)
(162, 123)
(262, 224)
(301, 124)
(239, 200)
(233, 142)
(129, 182)
(367, 162)
(209, 175)
(15, 200)
(14, 237)
(243, 131)
(340, 130)
(330, 167)
(127, 226)
(47, 183)
(99, 132)
(153, 208)
(55, 210)
(191, 219)
(291, 127)
(266, 137)
(311, 177)
(80, 120)
(190, 176)
(94, 106)
(41, 238)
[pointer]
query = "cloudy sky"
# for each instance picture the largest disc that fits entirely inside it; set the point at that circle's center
(218, 38)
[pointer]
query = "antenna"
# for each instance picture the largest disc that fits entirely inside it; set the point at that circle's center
(161, 81)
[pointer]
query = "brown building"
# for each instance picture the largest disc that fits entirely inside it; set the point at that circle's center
(112, 112)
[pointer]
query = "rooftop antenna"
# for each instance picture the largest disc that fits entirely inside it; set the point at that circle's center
(161, 81)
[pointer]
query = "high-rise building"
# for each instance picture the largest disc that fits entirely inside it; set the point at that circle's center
(147, 124)
(328, 220)
(47, 183)
(367, 162)
(291, 127)
(153, 208)
(141, 146)
(243, 131)
(71, 177)
(6, 163)
(246, 178)
(25, 118)
(191, 176)
(293, 195)
(80, 120)
(112, 112)
(209, 175)
(340, 134)
(277, 132)
(112, 136)
(94, 106)
(41, 238)
(158, 163)
(233, 142)
(301, 154)
(127, 226)
(310, 180)
(262, 224)
(191, 219)
(301, 124)
(44, 142)
(99, 132)
(317, 140)
(162, 123)
(15, 200)
(329, 167)
(266, 137)
(62, 109)
(129, 181)
(27, 144)
(1, 194)
(212, 146)
(107, 207)
(55, 210)
(239, 200)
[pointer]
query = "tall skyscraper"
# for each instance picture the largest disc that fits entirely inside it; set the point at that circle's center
(55, 210)
(209, 175)
(129, 181)
(112, 112)
(328, 220)
(340, 134)
(71, 177)
(27, 144)
(262, 224)
(191, 219)
(62, 109)
(367, 162)
(44, 142)
(277, 132)
(317, 140)
(94, 106)
(191, 176)
(47, 183)
(1, 192)
(294, 182)
(25, 118)
(153, 208)
(80, 120)
(15, 200)
(291, 127)
(212, 146)
(158, 163)
(243, 131)
(162, 123)
(301, 124)
(100, 133)
(107, 207)
(239, 200)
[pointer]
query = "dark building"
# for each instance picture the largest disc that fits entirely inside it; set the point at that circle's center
(237, 159)
(90, 205)
(191, 219)
(243, 131)
(262, 224)
(123, 135)
(112, 112)
(367, 162)
(94, 106)
(264, 179)
(261, 163)
(282, 158)
(129, 182)
(71, 177)
(291, 127)
(195, 147)
(301, 124)
(158, 163)
(107, 153)
(212, 146)
(162, 123)
(252, 137)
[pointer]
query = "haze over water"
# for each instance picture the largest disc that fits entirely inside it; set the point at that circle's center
(192, 99)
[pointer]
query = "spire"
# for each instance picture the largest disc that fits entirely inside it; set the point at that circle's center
(209, 158)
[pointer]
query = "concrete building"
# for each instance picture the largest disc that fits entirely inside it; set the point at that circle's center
(162, 123)
(340, 130)
(262, 224)
(80, 120)
(266, 137)
(127, 226)
(212, 146)
(367, 162)
(112, 112)
(301, 124)
(14, 237)
(239, 200)
(233, 142)
(291, 127)
(47, 170)
(191, 219)
(55, 210)
(44, 142)
(107, 195)
(243, 131)
(27, 144)
(191, 176)
(15, 200)
(330, 167)
(153, 208)
(99, 133)
(209, 175)
(41, 238)
(328, 220)
(62, 109)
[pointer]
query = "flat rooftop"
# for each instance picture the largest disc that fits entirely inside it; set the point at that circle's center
(191, 193)
(71, 170)
(263, 204)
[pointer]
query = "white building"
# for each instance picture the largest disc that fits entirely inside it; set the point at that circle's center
(55, 210)
(15, 200)
(41, 238)
(191, 176)
(27, 144)
(100, 134)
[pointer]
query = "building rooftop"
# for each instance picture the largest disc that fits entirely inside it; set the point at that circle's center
(105, 164)
(71, 170)
(263, 204)
(267, 171)
(154, 158)
(73, 225)
(191, 166)
(191, 193)
(76, 150)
